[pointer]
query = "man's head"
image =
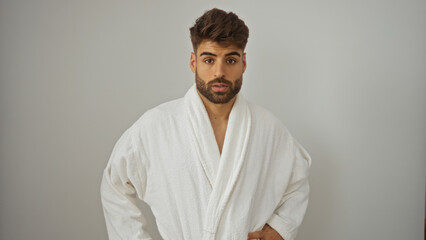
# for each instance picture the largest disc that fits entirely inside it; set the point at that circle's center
(219, 26)
(219, 61)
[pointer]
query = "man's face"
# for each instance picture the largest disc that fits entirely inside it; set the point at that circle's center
(218, 71)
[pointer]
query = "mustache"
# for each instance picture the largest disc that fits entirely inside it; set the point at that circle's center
(220, 80)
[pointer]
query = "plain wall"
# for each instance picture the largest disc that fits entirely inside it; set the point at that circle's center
(348, 78)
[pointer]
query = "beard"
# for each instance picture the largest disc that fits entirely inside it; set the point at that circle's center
(218, 97)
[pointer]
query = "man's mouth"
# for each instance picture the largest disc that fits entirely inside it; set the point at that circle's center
(219, 87)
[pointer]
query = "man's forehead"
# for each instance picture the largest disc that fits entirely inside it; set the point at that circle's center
(216, 48)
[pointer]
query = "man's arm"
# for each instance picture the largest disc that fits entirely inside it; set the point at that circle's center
(290, 212)
(122, 183)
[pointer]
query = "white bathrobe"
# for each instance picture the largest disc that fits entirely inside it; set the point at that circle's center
(169, 158)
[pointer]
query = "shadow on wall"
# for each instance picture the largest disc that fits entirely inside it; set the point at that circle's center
(151, 224)
(324, 184)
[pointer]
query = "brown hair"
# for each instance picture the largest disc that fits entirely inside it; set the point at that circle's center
(221, 27)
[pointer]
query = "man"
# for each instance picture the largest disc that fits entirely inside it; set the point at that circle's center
(210, 165)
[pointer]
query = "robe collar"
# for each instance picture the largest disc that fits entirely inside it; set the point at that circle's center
(223, 170)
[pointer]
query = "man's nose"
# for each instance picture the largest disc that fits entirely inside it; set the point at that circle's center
(219, 70)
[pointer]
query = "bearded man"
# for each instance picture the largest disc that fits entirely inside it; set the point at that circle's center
(211, 165)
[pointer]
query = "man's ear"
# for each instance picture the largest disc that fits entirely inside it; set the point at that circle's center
(244, 62)
(193, 62)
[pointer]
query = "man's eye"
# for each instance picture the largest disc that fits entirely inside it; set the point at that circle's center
(208, 60)
(231, 61)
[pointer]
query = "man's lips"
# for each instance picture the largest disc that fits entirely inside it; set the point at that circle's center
(219, 87)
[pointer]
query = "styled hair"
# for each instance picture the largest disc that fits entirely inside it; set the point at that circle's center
(219, 26)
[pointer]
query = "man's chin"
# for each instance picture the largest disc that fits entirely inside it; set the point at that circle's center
(216, 97)
(214, 93)
(222, 99)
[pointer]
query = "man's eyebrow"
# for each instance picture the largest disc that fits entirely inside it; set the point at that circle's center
(233, 53)
(228, 54)
(208, 53)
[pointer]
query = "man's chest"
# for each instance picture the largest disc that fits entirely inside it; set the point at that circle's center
(219, 130)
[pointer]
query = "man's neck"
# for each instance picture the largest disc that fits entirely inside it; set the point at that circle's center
(217, 112)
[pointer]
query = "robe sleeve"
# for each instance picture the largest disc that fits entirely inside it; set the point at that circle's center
(290, 212)
(123, 182)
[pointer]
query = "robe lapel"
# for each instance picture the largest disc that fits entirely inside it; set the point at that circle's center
(203, 134)
(222, 171)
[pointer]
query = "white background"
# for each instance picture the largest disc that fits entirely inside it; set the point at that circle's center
(348, 78)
